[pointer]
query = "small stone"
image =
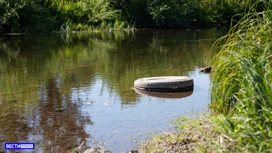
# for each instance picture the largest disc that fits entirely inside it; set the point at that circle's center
(206, 69)
(60, 110)
(133, 151)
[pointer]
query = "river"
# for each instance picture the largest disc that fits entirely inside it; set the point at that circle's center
(61, 90)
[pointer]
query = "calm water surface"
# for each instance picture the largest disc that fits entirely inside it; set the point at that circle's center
(61, 90)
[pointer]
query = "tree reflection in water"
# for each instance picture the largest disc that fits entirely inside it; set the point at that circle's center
(60, 120)
(57, 125)
(13, 128)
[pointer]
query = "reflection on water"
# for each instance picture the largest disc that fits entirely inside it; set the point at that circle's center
(59, 91)
(164, 94)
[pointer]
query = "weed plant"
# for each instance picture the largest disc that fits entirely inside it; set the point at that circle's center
(242, 83)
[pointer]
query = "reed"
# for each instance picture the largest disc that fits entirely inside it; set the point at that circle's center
(242, 82)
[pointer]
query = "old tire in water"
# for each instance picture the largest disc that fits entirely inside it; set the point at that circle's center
(165, 83)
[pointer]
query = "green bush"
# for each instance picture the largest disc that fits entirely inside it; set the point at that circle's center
(28, 16)
(9, 16)
(49, 15)
(52, 15)
(134, 12)
(194, 13)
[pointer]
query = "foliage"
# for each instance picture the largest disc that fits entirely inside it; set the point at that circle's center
(245, 54)
(180, 13)
(91, 12)
(173, 14)
(50, 15)
(242, 83)
(134, 12)
(55, 15)
(28, 16)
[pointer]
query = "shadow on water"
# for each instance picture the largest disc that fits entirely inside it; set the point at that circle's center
(52, 86)
(174, 95)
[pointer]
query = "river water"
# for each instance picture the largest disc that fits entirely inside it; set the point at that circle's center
(60, 90)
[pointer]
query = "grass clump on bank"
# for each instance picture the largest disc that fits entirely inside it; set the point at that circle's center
(242, 82)
(197, 135)
(241, 105)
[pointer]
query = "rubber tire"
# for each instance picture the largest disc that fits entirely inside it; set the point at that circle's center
(165, 83)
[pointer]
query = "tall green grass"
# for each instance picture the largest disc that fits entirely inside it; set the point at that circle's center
(242, 83)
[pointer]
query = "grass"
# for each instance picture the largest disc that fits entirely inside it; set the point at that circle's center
(241, 108)
(242, 84)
